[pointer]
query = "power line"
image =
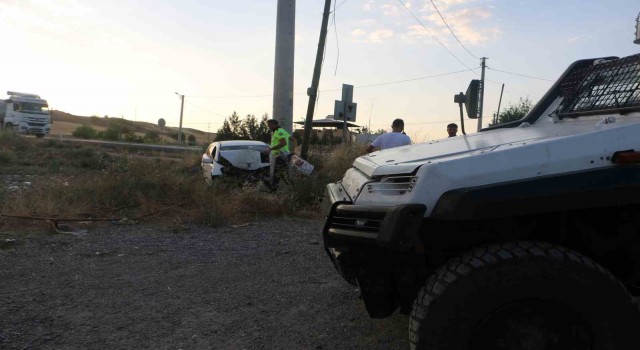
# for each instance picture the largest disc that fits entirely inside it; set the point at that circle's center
(335, 29)
(339, 89)
(433, 36)
(414, 79)
(520, 75)
(204, 109)
(451, 30)
(337, 7)
(232, 96)
(425, 123)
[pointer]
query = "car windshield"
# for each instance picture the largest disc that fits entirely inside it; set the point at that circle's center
(241, 147)
(29, 107)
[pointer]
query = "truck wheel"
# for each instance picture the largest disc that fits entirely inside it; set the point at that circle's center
(525, 295)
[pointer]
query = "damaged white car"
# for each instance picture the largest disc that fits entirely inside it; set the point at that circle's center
(245, 160)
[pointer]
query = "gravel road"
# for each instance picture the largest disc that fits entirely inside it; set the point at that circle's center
(268, 285)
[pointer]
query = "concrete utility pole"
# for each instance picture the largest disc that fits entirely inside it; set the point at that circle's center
(637, 41)
(313, 90)
(483, 63)
(495, 120)
(284, 63)
(181, 110)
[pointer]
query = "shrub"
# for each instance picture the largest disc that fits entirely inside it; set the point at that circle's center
(6, 156)
(11, 139)
(151, 137)
(85, 132)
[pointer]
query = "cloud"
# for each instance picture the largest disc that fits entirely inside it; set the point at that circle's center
(380, 35)
(368, 6)
(358, 33)
(389, 10)
(48, 17)
(470, 24)
(572, 40)
(375, 36)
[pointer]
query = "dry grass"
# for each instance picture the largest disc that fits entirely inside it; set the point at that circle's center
(73, 181)
(65, 123)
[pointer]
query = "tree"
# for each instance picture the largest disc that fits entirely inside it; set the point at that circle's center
(263, 133)
(225, 132)
(514, 112)
(236, 125)
(248, 129)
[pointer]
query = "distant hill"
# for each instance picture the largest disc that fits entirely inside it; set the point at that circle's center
(65, 123)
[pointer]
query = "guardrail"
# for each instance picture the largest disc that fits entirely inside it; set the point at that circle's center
(169, 148)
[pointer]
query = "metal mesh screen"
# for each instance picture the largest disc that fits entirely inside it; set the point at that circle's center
(612, 86)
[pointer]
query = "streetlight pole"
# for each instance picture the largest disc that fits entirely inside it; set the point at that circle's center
(181, 110)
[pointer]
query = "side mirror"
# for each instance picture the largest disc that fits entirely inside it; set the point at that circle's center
(206, 160)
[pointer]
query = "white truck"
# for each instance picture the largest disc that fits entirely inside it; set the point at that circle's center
(524, 235)
(25, 113)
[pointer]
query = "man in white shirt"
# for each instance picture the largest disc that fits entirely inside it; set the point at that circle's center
(392, 139)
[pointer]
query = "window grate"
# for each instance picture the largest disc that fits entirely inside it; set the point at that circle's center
(610, 86)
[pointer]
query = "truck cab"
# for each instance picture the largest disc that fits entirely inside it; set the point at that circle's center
(26, 114)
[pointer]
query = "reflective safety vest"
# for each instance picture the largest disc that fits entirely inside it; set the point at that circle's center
(279, 134)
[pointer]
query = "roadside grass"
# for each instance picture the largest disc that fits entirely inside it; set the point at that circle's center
(73, 181)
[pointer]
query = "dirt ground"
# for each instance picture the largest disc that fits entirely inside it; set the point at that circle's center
(268, 285)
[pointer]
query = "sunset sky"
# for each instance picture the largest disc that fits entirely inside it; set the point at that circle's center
(125, 58)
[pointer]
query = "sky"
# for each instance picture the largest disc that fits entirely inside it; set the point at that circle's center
(129, 59)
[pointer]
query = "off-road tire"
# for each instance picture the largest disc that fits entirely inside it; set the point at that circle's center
(459, 295)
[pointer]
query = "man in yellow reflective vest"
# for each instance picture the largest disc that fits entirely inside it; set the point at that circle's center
(279, 149)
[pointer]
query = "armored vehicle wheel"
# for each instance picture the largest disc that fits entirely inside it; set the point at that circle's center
(523, 295)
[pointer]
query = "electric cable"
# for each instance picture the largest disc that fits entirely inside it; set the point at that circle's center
(335, 29)
(433, 36)
(338, 89)
(520, 75)
(451, 30)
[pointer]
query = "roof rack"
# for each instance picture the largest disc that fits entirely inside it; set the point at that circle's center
(22, 94)
(607, 86)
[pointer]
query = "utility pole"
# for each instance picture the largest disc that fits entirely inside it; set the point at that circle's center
(495, 120)
(181, 110)
(637, 41)
(284, 64)
(483, 64)
(312, 92)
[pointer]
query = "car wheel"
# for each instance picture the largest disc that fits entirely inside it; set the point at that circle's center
(520, 296)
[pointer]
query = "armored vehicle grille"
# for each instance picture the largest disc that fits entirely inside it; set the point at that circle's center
(607, 87)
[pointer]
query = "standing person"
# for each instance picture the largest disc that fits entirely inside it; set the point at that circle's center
(395, 138)
(452, 129)
(279, 149)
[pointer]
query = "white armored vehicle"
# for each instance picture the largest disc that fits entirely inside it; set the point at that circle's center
(525, 235)
(25, 113)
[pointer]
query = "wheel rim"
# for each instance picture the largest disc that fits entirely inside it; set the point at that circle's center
(533, 325)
